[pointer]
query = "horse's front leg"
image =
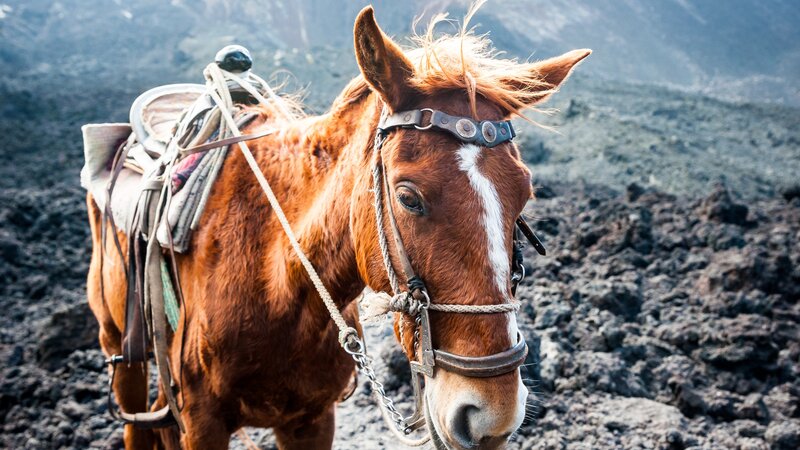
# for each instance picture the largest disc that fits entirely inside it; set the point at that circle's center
(205, 430)
(313, 434)
(204, 420)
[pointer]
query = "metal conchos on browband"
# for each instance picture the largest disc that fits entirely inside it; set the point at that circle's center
(485, 133)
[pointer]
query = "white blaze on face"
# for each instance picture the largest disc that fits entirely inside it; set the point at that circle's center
(492, 213)
(492, 223)
(446, 392)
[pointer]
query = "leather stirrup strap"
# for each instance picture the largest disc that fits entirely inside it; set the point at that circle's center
(154, 291)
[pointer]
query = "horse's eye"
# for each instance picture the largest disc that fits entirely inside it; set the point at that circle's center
(410, 200)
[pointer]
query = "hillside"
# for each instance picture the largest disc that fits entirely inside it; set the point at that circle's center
(742, 49)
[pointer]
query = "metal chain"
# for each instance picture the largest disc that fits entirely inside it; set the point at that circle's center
(349, 339)
(363, 361)
(364, 364)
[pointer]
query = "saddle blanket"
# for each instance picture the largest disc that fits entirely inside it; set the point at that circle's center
(190, 180)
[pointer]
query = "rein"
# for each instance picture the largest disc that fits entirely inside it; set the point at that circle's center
(414, 300)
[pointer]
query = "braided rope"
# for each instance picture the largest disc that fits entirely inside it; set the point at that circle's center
(376, 304)
(345, 331)
(475, 309)
(377, 189)
(401, 301)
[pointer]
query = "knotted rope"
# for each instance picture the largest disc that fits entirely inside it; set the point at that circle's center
(347, 334)
(376, 304)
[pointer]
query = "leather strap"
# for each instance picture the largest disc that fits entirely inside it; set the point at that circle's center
(485, 133)
(484, 366)
(481, 367)
(531, 236)
(225, 142)
(154, 294)
(402, 255)
(147, 420)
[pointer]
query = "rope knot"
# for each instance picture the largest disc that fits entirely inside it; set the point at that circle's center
(349, 340)
(398, 302)
(376, 304)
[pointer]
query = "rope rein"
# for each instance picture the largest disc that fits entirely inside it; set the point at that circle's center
(217, 81)
(374, 304)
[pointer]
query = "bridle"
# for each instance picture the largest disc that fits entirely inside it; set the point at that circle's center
(414, 300)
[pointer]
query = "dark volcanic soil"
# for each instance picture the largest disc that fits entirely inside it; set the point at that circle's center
(666, 323)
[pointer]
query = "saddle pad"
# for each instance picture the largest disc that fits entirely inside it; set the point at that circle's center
(100, 141)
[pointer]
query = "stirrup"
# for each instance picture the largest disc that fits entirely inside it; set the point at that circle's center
(146, 420)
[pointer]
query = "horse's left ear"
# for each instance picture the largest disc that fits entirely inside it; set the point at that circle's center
(383, 64)
(546, 76)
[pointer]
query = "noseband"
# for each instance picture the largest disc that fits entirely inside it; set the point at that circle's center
(414, 299)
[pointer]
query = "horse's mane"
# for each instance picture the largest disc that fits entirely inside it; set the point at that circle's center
(464, 61)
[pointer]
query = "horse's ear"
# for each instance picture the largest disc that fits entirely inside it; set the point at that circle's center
(381, 61)
(548, 75)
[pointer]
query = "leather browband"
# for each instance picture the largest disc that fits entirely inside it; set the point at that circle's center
(484, 366)
(485, 133)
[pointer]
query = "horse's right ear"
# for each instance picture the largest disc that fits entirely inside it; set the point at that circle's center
(381, 61)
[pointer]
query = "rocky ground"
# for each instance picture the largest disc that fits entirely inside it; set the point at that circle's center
(666, 323)
(614, 134)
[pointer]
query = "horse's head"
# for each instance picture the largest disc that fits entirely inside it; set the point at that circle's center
(455, 206)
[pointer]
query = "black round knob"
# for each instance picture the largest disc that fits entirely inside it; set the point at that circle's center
(234, 58)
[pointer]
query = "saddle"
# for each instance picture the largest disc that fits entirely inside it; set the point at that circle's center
(151, 179)
(154, 116)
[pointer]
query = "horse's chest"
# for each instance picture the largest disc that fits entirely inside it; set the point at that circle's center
(273, 368)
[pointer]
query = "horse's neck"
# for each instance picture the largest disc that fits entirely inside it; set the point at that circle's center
(313, 167)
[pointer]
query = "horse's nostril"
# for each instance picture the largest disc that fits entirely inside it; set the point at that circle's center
(460, 427)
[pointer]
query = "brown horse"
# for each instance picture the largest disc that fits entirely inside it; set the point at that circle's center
(260, 349)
